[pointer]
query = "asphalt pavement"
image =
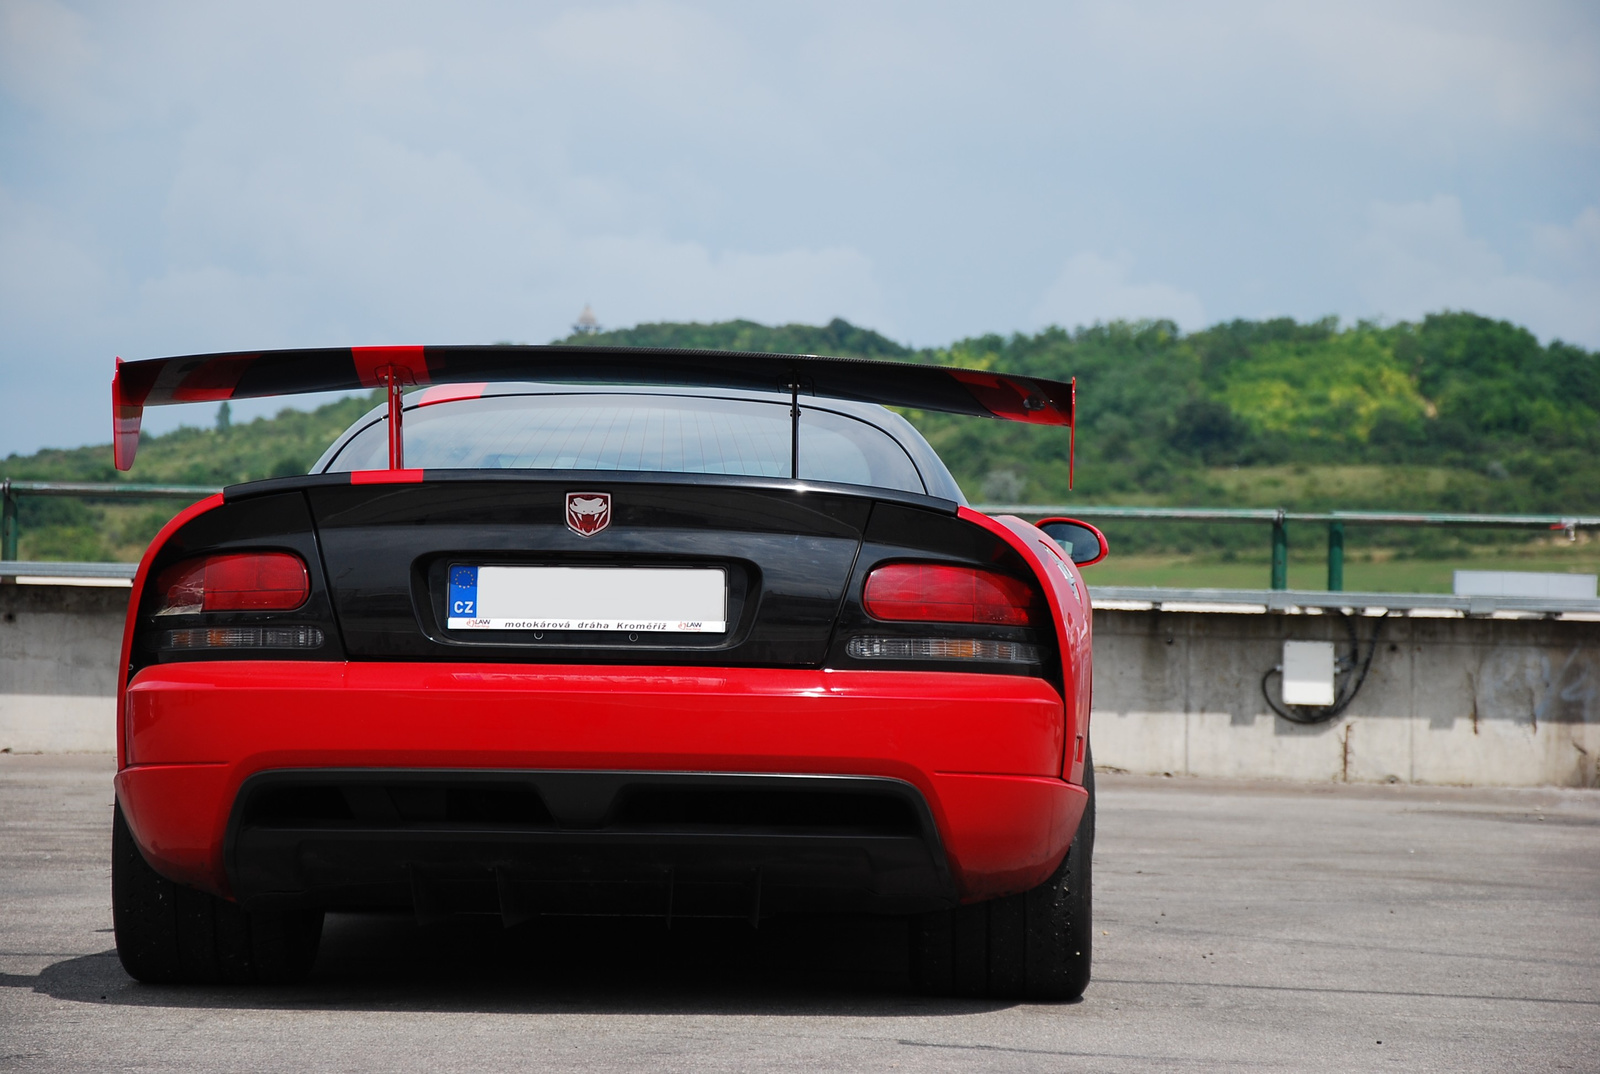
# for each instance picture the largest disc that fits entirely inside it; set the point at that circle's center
(1240, 926)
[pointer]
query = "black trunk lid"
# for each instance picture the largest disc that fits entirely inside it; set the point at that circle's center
(788, 552)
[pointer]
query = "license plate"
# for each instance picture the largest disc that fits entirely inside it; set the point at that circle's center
(676, 600)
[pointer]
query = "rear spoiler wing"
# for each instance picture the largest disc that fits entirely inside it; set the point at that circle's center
(202, 378)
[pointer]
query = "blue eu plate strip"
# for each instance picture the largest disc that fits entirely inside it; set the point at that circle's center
(463, 592)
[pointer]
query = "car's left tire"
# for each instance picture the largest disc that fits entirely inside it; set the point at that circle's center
(171, 934)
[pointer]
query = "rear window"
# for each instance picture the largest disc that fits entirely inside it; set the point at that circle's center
(650, 433)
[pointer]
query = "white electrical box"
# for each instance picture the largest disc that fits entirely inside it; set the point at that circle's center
(1308, 673)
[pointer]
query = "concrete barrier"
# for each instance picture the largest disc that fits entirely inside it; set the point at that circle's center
(1460, 700)
(59, 649)
(1482, 701)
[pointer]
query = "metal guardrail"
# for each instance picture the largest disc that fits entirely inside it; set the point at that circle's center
(1280, 519)
(1273, 514)
(26, 568)
(12, 491)
(105, 490)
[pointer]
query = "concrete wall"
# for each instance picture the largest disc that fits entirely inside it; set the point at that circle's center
(1466, 701)
(59, 648)
(1512, 702)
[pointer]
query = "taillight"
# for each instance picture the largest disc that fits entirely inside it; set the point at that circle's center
(237, 582)
(938, 593)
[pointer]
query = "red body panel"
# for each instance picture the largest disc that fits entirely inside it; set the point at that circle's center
(140, 578)
(387, 477)
(985, 750)
(1069, 607)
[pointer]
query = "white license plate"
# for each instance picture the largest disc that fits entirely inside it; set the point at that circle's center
(679, 600)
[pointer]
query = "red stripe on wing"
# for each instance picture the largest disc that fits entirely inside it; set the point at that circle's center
(1013, 398)
(212, 380)
(410, 362)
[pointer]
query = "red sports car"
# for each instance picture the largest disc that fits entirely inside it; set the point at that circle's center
(581, 630)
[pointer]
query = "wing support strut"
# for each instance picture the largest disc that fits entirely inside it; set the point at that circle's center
(794, 426)
(390, 376)
(1072, 435)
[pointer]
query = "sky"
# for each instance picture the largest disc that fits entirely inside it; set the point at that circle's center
(188, 177)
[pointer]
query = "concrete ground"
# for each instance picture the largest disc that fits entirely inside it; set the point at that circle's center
(1240, 927)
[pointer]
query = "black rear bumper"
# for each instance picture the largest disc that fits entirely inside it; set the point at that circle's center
(527, 843)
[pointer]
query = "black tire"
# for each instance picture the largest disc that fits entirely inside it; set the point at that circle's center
(1036, 945)
(171, 934)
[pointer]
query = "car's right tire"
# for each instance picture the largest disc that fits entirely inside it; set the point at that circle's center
(171, 934)
(1036, 945)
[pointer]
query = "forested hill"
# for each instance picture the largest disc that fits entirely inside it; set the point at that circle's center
(1457, 412)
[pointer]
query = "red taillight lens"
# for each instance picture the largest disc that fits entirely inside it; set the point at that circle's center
(241, 582)
(933, 593)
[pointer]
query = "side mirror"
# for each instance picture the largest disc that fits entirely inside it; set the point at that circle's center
(1083, 543)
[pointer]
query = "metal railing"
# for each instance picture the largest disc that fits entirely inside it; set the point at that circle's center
(1280, 518)
(12, 491)
(54, 570)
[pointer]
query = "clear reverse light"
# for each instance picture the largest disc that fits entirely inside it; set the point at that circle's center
(293, 637)
(880, 648)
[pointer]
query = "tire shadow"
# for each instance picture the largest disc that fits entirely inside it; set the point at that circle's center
(789, 966)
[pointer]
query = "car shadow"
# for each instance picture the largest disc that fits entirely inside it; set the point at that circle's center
(800, 967)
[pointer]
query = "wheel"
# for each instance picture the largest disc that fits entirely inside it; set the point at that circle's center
(1035, 945)
(171, 934)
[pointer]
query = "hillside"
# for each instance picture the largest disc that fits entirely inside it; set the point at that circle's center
(52, 528)
(1456, 412)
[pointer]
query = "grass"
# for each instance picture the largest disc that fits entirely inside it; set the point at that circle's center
(1346, 487)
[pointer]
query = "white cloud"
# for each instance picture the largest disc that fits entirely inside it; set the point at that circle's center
(1468, 62)
(490, 257)
(647, 278)
(1419, 257)
(1452, 64)
(46, 272)
(1574, 249)
(44, 53)
(1093, 288)
(384, 69)
(650, 39)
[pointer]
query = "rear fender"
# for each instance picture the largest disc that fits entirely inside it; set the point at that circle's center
(135, 599)
(217, 525)
(1068, 597)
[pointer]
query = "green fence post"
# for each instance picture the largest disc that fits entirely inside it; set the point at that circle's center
(1280, 553)
(1335, 557)
(8, 521)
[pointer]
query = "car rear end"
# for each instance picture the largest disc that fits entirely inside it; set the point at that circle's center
(342, 745)
(598, 654)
